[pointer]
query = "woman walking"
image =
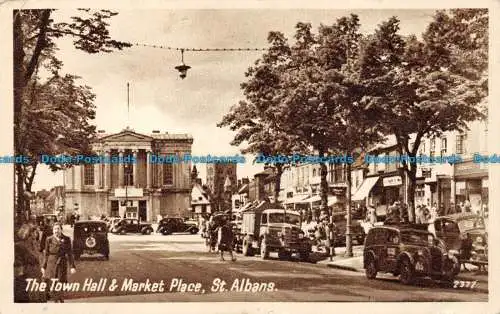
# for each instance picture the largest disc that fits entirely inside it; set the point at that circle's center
(58, 254)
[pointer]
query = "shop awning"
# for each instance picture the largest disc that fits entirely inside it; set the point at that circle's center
(295, 199)
(312, 199)
(365, 188)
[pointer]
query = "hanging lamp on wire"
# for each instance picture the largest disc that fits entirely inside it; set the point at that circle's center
(182, 68)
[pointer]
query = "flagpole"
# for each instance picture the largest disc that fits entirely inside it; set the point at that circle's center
(128, 104)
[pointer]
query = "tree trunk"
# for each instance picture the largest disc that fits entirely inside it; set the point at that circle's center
(277, 182)
(20, 195)
(323, 185)
(348, 235)
(412, 181)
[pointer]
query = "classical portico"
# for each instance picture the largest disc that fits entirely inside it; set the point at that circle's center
(139, 189)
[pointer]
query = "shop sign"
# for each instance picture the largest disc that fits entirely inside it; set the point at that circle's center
(392, 181)
(467, 168)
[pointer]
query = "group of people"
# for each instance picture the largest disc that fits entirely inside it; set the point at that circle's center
(41, 252)
(218, 233)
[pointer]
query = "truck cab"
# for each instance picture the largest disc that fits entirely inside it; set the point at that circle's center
(267, 228)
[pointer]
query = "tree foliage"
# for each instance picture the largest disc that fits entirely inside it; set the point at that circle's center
(51, 110)
(421, 88)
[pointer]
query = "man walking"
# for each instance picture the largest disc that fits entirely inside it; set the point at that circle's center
(58, 254)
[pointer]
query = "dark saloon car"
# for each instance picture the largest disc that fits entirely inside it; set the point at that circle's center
(357, 231)
(171, 225)
(131, 225)
(90, 237)
(407, 252)
(463, 234)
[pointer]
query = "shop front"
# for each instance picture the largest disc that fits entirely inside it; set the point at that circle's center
(471, 186)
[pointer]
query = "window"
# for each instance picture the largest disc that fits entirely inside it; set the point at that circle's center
(88, 174)
(460, 143)
(314, 172)
(444, 146)
(432, 149)
(264, 219)
(128, 172)
(168, 174)
(422, 148)
(339, 173)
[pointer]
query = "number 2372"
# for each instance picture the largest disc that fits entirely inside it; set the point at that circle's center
(464, 284)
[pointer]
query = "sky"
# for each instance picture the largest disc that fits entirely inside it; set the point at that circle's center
(160, 99)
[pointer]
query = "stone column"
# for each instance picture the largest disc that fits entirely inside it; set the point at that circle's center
(148, 169)
(107, 171)
(97, 176)
(134, 167)
(121, 169)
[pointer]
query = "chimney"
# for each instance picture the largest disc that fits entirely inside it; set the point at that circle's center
(101, 131)
(156, 131)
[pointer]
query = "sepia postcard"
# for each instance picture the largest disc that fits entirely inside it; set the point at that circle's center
(253, 157)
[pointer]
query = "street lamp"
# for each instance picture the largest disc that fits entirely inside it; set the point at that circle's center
(183, 67)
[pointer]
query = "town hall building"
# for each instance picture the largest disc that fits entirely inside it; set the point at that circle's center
(141, 190)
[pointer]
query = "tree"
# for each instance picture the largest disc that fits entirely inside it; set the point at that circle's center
(255, 127)
(51, 111)
(422, 88)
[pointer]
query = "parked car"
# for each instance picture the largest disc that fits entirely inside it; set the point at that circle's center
(269, 229)
(131, 225)
(465, 235)
(171, 225)
(407, 252)
(90, 237)
(357, 230)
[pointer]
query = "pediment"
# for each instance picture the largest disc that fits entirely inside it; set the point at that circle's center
(126, 136)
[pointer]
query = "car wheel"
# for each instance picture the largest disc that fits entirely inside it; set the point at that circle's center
(406, 272)
(264, 250)
(371, 268)
(193, 230)
(284, 255)
(304, 256)
(165, 231)
(147, 231)
(122, 231)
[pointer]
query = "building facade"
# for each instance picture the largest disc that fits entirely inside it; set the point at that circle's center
(217, 173)
(144, 189)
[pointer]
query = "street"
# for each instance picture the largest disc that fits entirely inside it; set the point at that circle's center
(181, 261)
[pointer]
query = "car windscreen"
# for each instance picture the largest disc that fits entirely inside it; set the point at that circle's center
(470, 223)
(89, 228)
(411, 237)
(280, 218)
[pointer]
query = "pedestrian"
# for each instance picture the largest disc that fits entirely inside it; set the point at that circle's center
(57, 256)
(225, 239)
(26, 263)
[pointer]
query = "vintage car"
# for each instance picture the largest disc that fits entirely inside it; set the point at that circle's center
(90, 237)
(357, 230)
(131, 225)
(268, 228)
(407, 252)
(171, 225)
(465, 235)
